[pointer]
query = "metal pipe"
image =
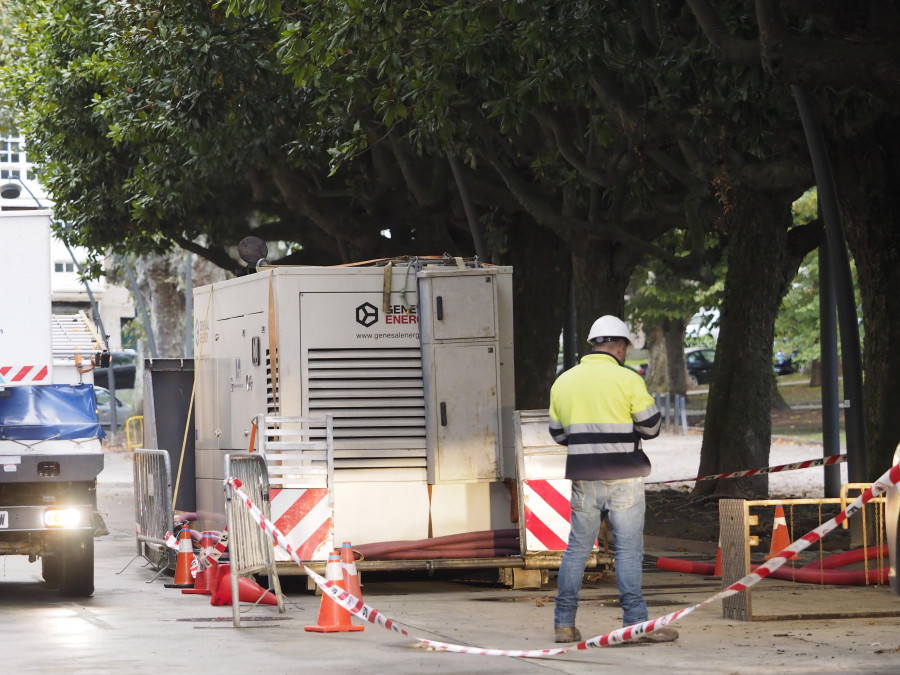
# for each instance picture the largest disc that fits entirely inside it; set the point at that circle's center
(831, 440)
(570, 329)
(839, 262)
(188, 307)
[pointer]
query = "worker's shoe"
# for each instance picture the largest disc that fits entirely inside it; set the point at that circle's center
(568, 634)
(665, 634)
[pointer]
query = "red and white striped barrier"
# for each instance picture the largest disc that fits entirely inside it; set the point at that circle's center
(825, 461)
(359, 608)
(23, 374)
(547, 513)
(305, 519)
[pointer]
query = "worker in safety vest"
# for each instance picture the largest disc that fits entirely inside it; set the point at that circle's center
(600, 410)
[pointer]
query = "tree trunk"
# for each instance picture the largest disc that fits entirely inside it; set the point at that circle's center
(675, 367)
(601, 270)
(778, 402)
(667, 371)
(866, 171)
(738, 428)
(161, 279)
(657, 369)
(815, 373)
(541, 276)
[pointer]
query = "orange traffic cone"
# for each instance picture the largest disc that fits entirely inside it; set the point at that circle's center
(183, 577)
(332, 617)
(248, 590)
(781, 539)
(206, 577)
(349, 571)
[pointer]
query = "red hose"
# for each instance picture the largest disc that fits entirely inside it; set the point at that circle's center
(686, 566)
(806, 575)
(452, 553)
(485, 539)
(849, 557)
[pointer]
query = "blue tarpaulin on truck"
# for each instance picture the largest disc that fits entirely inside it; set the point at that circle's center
(49, 412)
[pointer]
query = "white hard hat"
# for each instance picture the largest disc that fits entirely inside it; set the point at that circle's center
(608, 327)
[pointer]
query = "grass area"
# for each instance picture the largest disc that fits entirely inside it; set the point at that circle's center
(802, 421)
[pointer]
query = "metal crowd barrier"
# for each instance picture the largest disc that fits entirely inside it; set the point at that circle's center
(249, 549)
(676, 415)
(735, 541)
(152, 505)
(134, 432)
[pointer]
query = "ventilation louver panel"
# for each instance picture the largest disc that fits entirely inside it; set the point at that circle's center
(378, 403)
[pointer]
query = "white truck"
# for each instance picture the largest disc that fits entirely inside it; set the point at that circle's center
(50, 453)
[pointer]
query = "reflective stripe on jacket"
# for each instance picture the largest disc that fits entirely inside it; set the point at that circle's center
(601, 410)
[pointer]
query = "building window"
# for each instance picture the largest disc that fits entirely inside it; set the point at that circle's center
(9, 152)
(64, 267)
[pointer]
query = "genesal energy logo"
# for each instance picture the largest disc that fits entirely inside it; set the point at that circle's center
(367, 315)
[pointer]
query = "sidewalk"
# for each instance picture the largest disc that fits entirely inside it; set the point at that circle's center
(132, 625)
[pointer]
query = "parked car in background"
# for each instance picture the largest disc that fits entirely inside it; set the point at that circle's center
(123, 410)
(784, 363)
(124, 364)
(639, 368)
(699, 362)
(638, 361)
(703, 323)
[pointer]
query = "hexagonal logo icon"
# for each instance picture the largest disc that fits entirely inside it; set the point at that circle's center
(366, 314)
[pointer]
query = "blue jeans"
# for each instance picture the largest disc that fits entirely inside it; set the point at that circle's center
(624, 500)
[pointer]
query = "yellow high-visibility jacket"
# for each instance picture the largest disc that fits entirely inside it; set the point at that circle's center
(601, 410)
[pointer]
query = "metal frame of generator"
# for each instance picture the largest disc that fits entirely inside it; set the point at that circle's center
(415, 364)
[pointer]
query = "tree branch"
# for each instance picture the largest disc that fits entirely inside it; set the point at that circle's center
(214, 253)
(546, 215)
(726, 47)
(425, 195)
(567, 147)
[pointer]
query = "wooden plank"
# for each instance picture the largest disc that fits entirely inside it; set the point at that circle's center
(734, 541)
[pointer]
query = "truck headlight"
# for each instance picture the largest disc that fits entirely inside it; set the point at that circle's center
(62, 518)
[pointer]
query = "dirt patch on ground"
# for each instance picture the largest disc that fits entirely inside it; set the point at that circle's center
(673, 513)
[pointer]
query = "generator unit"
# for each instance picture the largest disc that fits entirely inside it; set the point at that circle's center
(412, 358)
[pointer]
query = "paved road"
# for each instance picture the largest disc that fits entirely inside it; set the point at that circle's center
(135, 625)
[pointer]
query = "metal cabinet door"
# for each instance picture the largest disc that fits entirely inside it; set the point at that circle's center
(465, 414)
(241, 378)
(462, 307)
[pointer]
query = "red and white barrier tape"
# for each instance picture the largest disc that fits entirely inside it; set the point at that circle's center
(825, 461)
(214, 553)
(203, 561)
(360, 609)
(352, 604)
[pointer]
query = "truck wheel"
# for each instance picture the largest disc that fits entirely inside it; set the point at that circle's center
(76, 565)
(50, 567)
